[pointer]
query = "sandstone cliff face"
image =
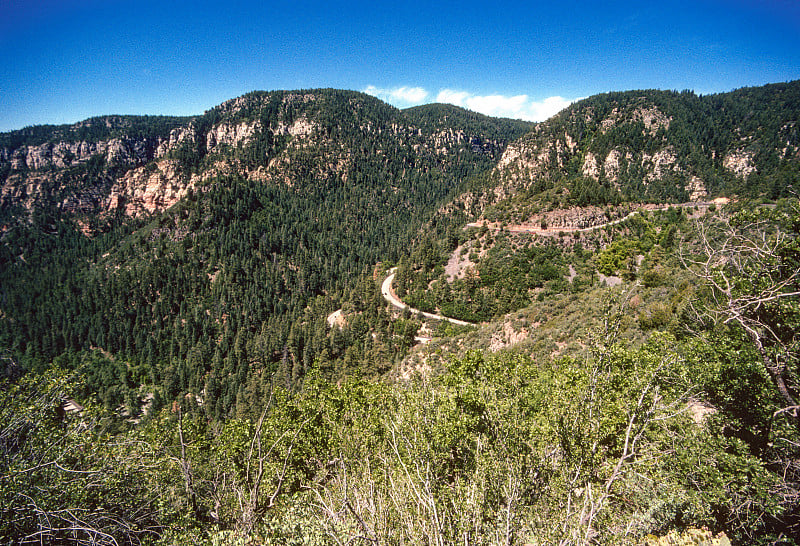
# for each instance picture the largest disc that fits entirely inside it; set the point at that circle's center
(145, 179)
(299, 128)
(590, 168)
(652, 145)
(140, 192)
(176, 138)
(524, 160)
(43, 174)
(652, 118)
(660, 164)
(229, 134)
(612, 164)
(64, 154)
(697, 189)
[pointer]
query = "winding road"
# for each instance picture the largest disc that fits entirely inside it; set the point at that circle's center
(391, 297)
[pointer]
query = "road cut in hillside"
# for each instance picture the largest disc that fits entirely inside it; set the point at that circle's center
(553, 230)
(537, 229)
(391, 297)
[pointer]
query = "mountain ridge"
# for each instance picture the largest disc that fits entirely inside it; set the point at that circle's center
(149, 169)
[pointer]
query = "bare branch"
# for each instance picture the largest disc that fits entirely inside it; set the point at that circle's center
(744, 267)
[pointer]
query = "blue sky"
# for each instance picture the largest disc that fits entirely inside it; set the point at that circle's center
(62, 61)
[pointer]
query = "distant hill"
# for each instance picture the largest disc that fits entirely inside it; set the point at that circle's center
(159, 238)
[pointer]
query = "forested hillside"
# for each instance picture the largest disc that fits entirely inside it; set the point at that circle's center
(222, 288)
(195, 348)
(649, 146)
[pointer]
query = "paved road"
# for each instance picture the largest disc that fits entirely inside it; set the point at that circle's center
(391, 297)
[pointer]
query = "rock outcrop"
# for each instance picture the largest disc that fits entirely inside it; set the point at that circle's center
(739, 162)
(60, 155)
(140, 192)
(230, 134)
(176, 138)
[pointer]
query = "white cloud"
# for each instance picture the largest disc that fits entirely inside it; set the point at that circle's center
(517, 106)
(459, 98)
(399, 96)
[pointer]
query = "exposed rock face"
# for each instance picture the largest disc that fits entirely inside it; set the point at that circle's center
(548, 156)
(612, 164)
(512, 156)
(697, 189)
(579, 217)
(655, 166)
(42, 173)
(300, 128)
(525, 160)
(176, 137)
(652, 118)
(590, 168)
(650, 146)
(740, 163)
(145, 179)
(23, 190)
(659, 164)
(229, 134)
(140, 192)
(64, 154)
